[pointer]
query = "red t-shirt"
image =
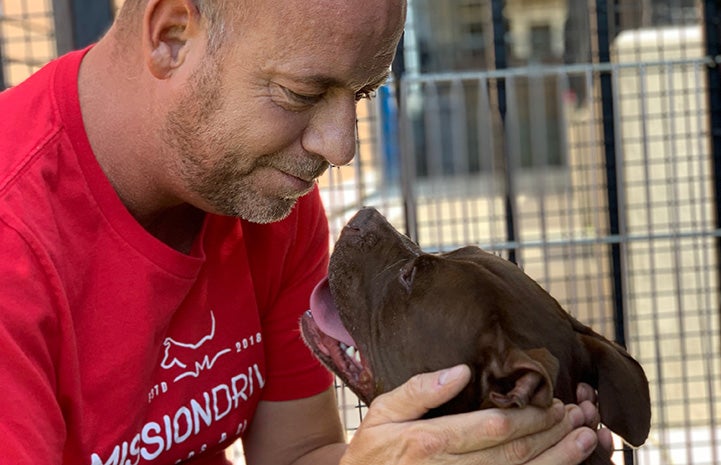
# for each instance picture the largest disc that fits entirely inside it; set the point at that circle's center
(114, 348)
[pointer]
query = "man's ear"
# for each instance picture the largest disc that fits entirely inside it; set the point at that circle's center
(168, 29)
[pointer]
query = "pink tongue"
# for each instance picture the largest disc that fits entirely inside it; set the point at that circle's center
(325, 314)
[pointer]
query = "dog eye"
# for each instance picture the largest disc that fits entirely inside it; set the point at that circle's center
(408, 274)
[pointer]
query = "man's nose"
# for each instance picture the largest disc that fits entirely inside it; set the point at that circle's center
(331, 131)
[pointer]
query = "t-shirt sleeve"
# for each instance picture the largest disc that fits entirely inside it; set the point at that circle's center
(292, 371)
(31, 424)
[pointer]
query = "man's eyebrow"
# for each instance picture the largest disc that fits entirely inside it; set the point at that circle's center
(317, 81)
(322, 81)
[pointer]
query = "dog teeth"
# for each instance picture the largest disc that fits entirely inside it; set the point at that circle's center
(351, 352)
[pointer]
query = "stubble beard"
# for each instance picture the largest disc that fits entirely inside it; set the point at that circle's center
(222, 176)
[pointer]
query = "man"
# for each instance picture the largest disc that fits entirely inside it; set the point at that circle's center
(161, 233)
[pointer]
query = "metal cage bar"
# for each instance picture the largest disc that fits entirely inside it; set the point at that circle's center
(3, 84)
(624, 227)
(79, 23)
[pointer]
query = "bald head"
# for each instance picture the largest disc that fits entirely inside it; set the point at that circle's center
(339, 20)
(221, 16)
(303, 33)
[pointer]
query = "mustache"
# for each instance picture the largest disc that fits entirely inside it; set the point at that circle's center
(304, 167)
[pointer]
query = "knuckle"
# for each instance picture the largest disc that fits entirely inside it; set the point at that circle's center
(416, 391)
(498, 426)
(415, 385)
(518, 451)
(575, 415)
(590, 413)
(379, 403)
(420, 442)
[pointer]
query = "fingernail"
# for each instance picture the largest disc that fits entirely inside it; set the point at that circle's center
(450, 374)
(586, 441)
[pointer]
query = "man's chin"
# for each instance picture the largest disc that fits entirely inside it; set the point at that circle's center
(254, 205)
(266, 211)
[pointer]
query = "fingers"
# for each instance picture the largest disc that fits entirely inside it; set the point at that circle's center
(559, 435)
(591, 414)
(571, 450)
(510, 436)
(585, 392)
(485, 429)
(513, 436)
(605, 440)
(586, 397)
(417, 396)
(524, 448)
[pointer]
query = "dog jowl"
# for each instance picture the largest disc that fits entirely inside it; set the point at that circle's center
(388, 311)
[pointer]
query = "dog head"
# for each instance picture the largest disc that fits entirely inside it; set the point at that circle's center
(388, 311)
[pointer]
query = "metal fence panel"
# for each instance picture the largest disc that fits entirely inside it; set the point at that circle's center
(516, 159)
(581, 139)
(27, 38)
(666, 235)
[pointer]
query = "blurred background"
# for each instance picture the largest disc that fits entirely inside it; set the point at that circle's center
(580, 139)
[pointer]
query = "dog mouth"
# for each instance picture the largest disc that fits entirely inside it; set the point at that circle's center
(325, 334)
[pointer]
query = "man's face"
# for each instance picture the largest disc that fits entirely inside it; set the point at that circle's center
(262, 119)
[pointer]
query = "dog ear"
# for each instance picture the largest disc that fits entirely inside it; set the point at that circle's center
(520, 378)
(623, 398)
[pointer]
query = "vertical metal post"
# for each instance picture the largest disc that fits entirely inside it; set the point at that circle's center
(2, 62)
(3, 85)
(91, 18)
(63, 19)
(79, 23)
(712, 31)
(501, 62)
(609, 145)
(410, 101)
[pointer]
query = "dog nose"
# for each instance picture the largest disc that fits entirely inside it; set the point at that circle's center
(364, 228)
(367, 218)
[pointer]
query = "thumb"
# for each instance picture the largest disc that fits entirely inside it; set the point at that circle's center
(417, 396)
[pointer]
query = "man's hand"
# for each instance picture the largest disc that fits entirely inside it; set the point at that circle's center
(392, 433)
(586, 398)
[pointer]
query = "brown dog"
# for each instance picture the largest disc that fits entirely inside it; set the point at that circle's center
(388, 311)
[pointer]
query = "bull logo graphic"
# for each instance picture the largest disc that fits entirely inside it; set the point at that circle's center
(190, 357)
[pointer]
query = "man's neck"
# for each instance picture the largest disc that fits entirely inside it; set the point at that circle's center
(114, 105)
(177, 227)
